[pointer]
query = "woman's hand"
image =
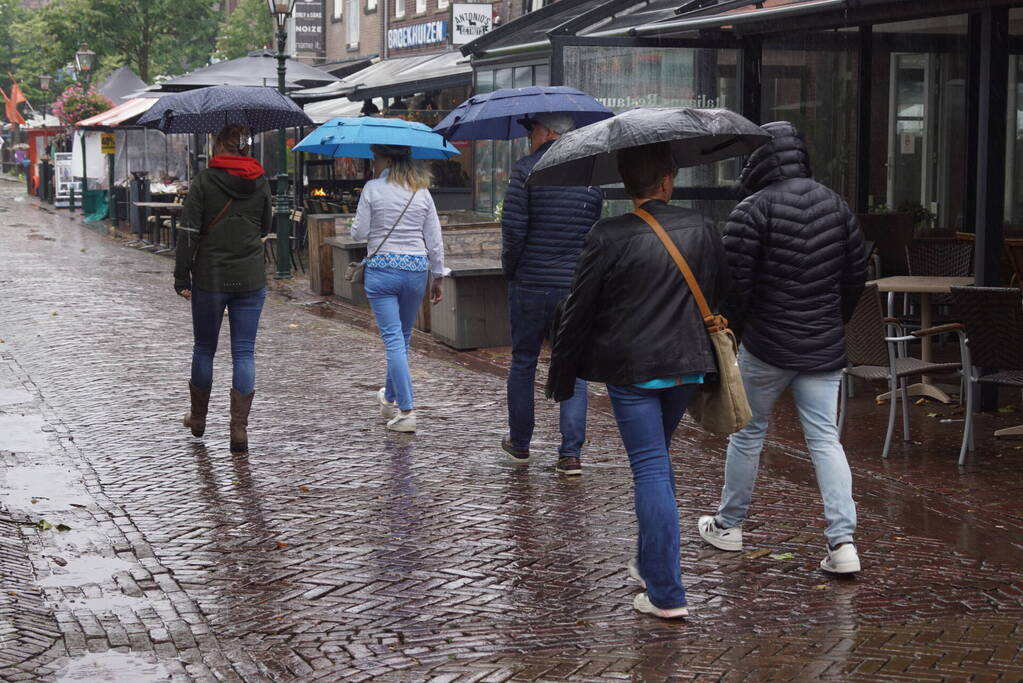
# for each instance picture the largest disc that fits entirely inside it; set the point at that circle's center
(437, 290)
(186, 294)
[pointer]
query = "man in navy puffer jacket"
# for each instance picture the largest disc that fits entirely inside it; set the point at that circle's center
(795, 252)
(543, 229)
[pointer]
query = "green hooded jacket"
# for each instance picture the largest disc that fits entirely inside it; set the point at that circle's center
(227, 257)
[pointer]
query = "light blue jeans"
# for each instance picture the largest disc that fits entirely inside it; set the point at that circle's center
(816, 396)
(395, 296)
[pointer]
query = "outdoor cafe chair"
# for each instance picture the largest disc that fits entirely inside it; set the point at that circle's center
(993, 321)
(874, 354)
(297, 241)
(942, 257)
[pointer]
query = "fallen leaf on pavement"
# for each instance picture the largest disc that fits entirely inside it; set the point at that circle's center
(782, 556)
(1007, 409)
(281, 545)
(933, 414)
(821, 587)
(292, 325)
(304, 489)
(758, 553)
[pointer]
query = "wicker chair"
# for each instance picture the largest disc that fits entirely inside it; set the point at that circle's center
(949, 257)
(876, 355)
(1014, 255)
(993, 320)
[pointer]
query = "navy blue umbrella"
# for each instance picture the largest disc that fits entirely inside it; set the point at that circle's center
(495, 115)
(207, 110)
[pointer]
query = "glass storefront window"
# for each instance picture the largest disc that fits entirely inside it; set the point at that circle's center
(918, 152)
(810, 81)
(1014, 137)
(494, 159)
(622, 77)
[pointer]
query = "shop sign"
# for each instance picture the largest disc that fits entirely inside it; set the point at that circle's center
(107, 143)
(65, 178)
(427, 33)
(309, 26)
(470, 21)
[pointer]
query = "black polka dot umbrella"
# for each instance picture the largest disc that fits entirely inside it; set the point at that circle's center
(207, 110)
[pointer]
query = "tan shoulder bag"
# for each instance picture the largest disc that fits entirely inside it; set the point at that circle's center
(719, 407)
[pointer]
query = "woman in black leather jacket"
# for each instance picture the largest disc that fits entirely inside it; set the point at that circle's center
(631, 322)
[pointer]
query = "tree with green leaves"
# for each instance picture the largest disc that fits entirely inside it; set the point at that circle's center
(249, 27)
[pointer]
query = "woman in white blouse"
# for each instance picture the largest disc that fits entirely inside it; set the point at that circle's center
(398, 220)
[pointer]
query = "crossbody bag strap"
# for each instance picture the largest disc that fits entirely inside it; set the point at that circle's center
(220, 214)
(709, 319)
(402, 215)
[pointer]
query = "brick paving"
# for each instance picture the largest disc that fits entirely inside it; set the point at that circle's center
(337, 551)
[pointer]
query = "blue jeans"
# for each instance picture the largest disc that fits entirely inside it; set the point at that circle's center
(531, 311)
(395, 296)
(646, 420)
(243, 309)
(816, 396)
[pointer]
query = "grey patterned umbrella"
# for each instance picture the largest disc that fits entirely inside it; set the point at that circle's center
(588, 155)
(207, 110)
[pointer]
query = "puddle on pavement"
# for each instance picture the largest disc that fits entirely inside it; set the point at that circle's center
(23, 433)
(13, 397)
(53, 487)
(86, 569)
(112, 667)
(117, 603)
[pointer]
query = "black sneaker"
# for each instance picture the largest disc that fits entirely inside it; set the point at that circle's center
(517, 454)
(569, 464)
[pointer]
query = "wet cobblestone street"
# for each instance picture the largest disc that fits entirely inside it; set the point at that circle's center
(339, 551)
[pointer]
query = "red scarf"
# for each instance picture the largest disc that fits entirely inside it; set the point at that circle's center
(243, 167)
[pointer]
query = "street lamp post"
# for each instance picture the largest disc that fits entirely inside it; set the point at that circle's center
(44, 85)
(84, 59)
(281, 10)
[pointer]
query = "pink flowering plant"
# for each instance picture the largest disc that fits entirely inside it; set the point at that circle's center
(77, 103)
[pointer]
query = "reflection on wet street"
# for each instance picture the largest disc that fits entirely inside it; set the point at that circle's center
(339, 551)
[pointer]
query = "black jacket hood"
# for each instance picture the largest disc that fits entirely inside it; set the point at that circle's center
(234, 186)
(783, 158)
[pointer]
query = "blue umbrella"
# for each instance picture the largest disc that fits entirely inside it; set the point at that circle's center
(207, 110)
(348, 137)
(494, 116)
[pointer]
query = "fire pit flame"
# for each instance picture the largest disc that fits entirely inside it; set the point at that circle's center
(318, 192)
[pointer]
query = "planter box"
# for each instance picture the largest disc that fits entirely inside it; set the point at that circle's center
(345, 250)
(474, 312)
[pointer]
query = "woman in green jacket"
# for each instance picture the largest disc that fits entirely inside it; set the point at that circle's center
(218, 265)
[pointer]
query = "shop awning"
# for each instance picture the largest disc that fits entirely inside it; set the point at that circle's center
(123, 113)
(324, 92)
(325, 110)
(407, 75)
(257, 68)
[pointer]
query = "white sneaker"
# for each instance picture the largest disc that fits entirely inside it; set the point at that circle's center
(388, 409)
(722, 539)
(642, 604)
(403, 422)
(634, 573)
(842, 560)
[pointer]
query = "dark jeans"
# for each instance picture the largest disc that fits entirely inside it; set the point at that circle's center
(646, 420)
(243, 309)
(531, 311)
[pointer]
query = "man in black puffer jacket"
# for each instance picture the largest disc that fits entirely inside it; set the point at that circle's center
(542, 229)
(796, 255)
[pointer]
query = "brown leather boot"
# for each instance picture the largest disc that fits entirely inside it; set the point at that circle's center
(241, 404)
(195, 418)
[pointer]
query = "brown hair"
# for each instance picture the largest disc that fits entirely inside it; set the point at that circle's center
(643, 167)
(234, 139)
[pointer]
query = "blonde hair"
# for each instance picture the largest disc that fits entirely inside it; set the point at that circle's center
(405, 171)
(411, 174)
(234, 139)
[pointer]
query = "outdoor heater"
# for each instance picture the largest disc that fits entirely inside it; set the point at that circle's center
(281, 10)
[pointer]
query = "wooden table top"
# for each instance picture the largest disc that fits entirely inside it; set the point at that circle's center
(921, 284)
